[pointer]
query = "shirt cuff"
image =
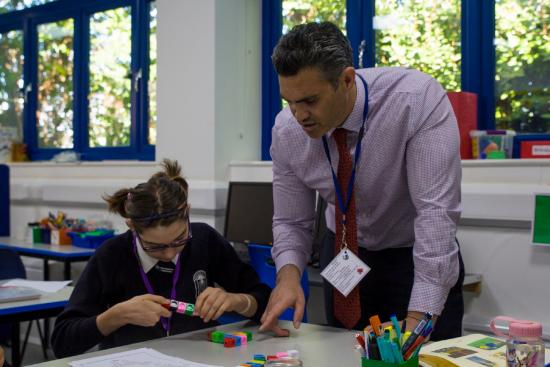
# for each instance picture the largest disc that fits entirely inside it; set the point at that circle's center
(290, 257)
(427, 297)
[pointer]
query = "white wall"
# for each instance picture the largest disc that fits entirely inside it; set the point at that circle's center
(208, 84)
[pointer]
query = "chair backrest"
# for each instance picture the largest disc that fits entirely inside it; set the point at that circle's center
(261, 261)
(4, 200)
(11, 265)
(249, 212)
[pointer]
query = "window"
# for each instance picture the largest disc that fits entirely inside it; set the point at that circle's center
(522, 80)
(11, 84)
(152, 86)
(498, 49)
(304, 11)
(421, 35)
(88, 81)
(110, 84)
(54, 110)
(11, 5)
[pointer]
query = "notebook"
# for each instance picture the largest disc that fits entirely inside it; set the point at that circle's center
(13, 294)
(474, 350)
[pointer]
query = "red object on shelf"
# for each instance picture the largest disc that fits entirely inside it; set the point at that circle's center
(465, 109)
(535, 149)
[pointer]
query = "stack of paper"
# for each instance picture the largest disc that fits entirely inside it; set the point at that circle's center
(40, 285)
(143, 357)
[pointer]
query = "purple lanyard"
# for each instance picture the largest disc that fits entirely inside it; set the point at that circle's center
(164, 320)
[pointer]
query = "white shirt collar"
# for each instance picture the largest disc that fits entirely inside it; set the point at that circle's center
(147, 261)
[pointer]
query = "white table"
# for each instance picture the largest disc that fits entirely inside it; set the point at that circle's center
(318, 346)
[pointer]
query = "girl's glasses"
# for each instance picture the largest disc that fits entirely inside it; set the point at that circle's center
(181, 240)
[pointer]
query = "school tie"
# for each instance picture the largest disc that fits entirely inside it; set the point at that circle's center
(346, 309)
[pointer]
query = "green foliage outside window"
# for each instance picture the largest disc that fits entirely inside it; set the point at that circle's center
(522, 79)
(421, 34)
(303, 11)
(11, 82)
(11, 5)
(110, 81)
(55, 84)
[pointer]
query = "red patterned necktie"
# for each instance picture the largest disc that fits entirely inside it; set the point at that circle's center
(346, 309)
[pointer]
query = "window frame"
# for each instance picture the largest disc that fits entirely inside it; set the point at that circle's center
(28, 19)
(477, 52)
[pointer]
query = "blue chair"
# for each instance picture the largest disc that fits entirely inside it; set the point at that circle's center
(11, 266)
(261, 261)
(4, 200)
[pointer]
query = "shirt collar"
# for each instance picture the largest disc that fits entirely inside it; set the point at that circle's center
(355, 119)
(147, 261)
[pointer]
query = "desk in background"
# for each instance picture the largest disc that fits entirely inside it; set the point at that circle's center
(318, 346)
(48, 305)
(66, 254)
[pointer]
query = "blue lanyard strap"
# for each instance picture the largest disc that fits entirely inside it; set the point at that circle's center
(164, 321)
(344, 206)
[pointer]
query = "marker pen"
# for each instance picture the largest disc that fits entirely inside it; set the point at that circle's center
(416, 332)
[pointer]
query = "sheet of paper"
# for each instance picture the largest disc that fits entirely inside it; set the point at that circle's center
(143, 357)
(43, 286)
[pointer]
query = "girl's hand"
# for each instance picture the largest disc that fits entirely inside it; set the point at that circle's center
(145, 310)
(213, 302)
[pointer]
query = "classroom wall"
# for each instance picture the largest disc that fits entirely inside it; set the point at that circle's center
(208, 111)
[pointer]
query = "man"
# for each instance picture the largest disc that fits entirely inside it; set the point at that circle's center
(395, 204)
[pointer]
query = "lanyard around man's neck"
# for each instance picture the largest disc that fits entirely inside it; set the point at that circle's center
(344, 206)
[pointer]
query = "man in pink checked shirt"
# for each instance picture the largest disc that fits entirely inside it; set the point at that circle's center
(401, 216)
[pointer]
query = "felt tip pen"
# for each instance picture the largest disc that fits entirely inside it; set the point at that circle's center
(403, 326)
(418, 342)
(180, 307)
(396, 327)
(360, 340)
(375, 324)
(416, 332)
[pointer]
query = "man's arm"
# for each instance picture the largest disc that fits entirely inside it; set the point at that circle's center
(434, 174)
(294, 211)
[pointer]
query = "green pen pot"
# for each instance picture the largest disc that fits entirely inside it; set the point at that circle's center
(412, 362)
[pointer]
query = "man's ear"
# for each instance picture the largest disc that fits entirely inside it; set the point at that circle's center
(348, 77)
(130, 224)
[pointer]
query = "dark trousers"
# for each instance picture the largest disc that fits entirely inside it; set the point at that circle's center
(386, 289)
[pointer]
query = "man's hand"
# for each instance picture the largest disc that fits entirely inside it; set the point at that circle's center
(145, 310)
(287, 293)
(414, 317)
